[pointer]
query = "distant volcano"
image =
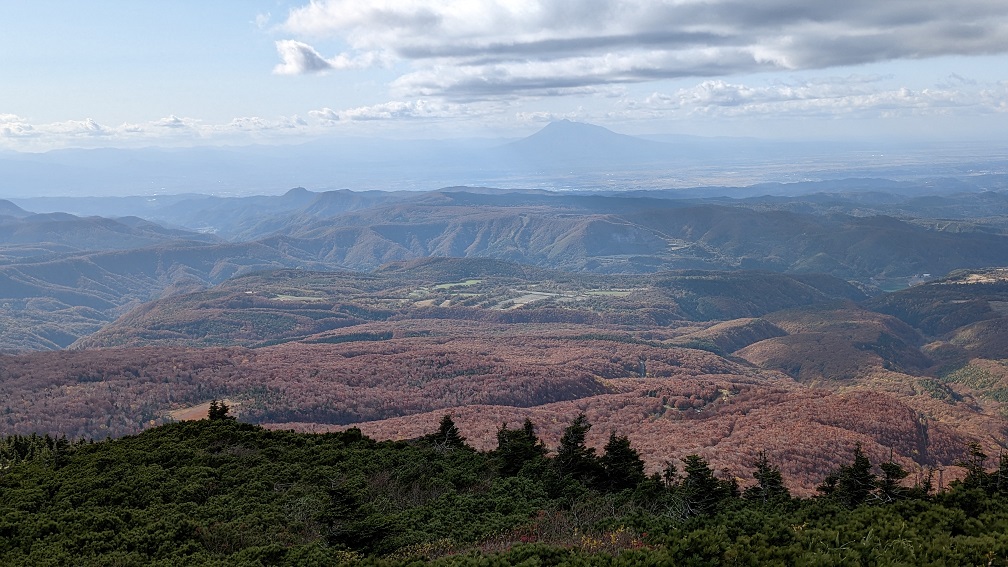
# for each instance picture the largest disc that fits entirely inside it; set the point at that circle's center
(575, 143)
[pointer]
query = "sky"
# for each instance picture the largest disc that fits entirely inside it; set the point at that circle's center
(124, 73)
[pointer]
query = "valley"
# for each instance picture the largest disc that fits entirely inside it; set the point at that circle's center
(776, 319)
(724, 364)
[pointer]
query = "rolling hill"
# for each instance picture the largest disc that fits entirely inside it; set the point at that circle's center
(109, 264)
(69, 232)
(284, 306)
(8, 209)
(689, 401)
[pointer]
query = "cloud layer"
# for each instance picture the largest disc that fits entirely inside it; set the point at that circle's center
(479, 49)
(19, 133)
(849, 96)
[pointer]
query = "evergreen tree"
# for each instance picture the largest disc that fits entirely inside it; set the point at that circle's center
(889, 487)
(448, 435)
(976, 475)
(851, 484)
(769, 482)
(702, 492)
(574, 458)
(670, 476)
(218, 410)
(1000, 480)
(516, 447)
(621, 464)
(923, 484)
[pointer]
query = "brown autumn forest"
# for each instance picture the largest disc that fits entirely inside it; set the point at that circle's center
(723, 364)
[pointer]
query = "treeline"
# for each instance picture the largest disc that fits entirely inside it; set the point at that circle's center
(222, 492)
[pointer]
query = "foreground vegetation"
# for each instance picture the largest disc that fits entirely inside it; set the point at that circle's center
(222, 492)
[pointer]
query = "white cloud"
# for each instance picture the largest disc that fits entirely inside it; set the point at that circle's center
(392, 110)
(996, 96)
(479, 49)
(13, 126)
(543, 117)
(18, 133)
(840, 96)
(258, 124)
(174, 122)
(327, 116)
(301, 59)
(86, 127)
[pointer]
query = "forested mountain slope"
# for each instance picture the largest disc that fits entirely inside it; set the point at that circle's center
(55, 264)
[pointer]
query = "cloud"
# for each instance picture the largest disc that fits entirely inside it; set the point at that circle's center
(176, 123)
(996, 97)
(13, 126)
(392, 110)
(20, 134)
(86, 127)
(302, 59)
(258, 124)
(299, 58)
(839, 96)
(473, 49)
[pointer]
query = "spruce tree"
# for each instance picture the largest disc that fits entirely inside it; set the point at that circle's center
(621, 464)
(218, 410)
(516, 447)
(1001, 475)
(574, 458)
(851, 484)
(448, 435)
(702, 492)
(976, 475)
(889, 487)
(769, 482)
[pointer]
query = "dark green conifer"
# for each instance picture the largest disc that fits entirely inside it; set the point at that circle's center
(516, 447)
(769, 482)
(574, 458)
(889, 487)
(448, 435)
(851, 484)
(976, 475)
(218, 410)
(621, 464)
(702, 492)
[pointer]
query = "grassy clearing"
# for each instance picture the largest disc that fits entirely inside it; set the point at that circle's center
(285, 297)
(609, 292)
(511, 298)
(529, 297)
(467, 283)
(200, 411)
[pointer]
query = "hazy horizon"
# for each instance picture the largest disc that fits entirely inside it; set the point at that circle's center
(562, 156)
